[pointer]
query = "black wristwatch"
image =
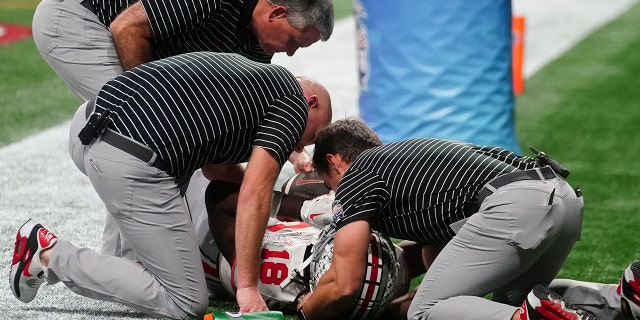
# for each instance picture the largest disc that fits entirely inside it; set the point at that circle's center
(301, 315)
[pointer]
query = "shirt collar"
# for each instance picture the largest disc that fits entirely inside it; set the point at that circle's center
(245, 14)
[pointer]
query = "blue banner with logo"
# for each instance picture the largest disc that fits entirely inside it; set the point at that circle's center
(431, 68)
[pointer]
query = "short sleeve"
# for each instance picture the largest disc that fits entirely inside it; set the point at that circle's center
(283, 126)
(170, 17)
(360, 195)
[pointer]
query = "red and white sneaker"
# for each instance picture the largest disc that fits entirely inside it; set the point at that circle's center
(542, 303)
(27, 273)
(305, 185)
(629, 291)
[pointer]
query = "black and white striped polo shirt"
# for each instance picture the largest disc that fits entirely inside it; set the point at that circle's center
(181, 26)
(414, 189)
(203, 107)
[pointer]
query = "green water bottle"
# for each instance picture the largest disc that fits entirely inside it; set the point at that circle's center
(260, 315)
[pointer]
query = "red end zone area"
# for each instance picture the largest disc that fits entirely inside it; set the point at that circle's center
(13, 32)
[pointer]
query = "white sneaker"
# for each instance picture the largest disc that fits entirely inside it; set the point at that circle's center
(317, 211)
(27, 273)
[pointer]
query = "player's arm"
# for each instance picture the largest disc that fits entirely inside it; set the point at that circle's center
(132, 36)
(223, 172)
(254, 205)
(429, 254)
(337, 287)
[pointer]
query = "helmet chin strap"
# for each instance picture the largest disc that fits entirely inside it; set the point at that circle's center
(289, 281)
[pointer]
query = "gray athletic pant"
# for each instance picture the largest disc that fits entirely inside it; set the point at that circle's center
(145, 202)
(515, 240)
(80, 49)
(77, 46)
(600, 299)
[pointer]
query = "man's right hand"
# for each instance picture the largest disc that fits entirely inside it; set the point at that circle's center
(250, 300)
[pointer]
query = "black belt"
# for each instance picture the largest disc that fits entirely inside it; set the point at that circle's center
(133, 148)
(543, 173)
(127, 145)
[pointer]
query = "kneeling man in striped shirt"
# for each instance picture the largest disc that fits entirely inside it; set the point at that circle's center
(502, 224)
(139, 142)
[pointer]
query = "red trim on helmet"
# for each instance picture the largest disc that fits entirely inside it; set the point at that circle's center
(371, 286)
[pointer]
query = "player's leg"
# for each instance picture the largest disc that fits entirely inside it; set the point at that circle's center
(606, 301)
(598, 298)
(602, 300)
(289, 207)
(221, 198)
(306, 198)
(417, 257)
(194, 196)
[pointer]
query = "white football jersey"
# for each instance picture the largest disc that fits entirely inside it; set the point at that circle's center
(286, 252)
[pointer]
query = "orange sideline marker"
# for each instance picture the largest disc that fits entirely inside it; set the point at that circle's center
(518, 27)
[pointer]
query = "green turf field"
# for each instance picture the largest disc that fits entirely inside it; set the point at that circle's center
(32, 97)
(582, 109)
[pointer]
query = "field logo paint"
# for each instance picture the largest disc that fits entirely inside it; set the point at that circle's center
(12, 32)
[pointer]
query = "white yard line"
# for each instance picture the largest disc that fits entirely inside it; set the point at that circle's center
(552, 27)
(39, 180)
